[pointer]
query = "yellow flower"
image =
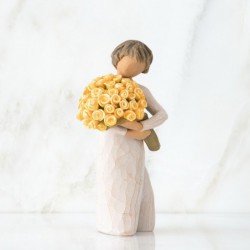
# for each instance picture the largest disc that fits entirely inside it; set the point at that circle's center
(108, 98)
(108, 77)
(79, 116)
(103, 99)
(118, 112)
(98, 115)
(113, 91)
(93, 124)
(131, 96)
(96, 79)
(126, 80)
(117, 78)
(129, 87)
(109, 84)
(129, 115)
(133, 105)
(85, 97)
(123, 104)
(96, 91)
(115, 99)
(86, 121)
(87, 114)
(91, 86)
(139, 113)
(86, 91)
(124, 93)
(91, 104)
(138, 93)
(101, 126)
(119, 86)
(142, 103)
(109, 108)
(135, 84)
(110, 120)
(100, 83)
(80, 105)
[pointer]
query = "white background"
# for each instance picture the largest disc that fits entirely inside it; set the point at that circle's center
(50, 50)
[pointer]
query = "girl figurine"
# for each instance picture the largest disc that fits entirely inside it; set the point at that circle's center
(125, 198)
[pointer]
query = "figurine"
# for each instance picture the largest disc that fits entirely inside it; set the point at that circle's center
(125, 198)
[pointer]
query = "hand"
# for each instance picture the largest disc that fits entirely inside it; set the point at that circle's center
(138, 135)
(134, 125)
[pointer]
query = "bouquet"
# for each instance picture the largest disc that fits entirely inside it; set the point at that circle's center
(109, 100)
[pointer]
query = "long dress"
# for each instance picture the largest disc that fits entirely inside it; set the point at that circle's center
(125, 199)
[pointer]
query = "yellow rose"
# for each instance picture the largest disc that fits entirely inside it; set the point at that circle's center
(79, 116)
(138, 93)
(81, 105)
(101, 126)
(118, 112)
(86, 91)
(142, 103)
(139, 113)
(91, 104)
(124, 93)
(110, 120)
(86, 121)
(109, 84)
(109, 108)
(119, 86)
(92, 124)
(98, 114)
(129, 115)
(100, 83)
(108, 98)
(113, 91)
(135, 84)
(108, 77)
(117, 78)
(87, 114)
(131, 96)
(115, 99)
(85, 97)
(96, 92)
(96, 79)
(123, 104)
(103, 99)
(129, 87)
(91, 86)
(126, 80)
(133, 105)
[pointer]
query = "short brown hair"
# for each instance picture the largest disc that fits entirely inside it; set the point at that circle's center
(133, 48)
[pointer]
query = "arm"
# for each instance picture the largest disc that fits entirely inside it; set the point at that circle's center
(159, 115)
(130, 133)
(134, 125)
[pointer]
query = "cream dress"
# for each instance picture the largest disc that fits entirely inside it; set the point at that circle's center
(125, 199)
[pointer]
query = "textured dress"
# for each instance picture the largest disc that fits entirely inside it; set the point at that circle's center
(125, 199)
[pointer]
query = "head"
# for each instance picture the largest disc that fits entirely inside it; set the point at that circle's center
(131, 58)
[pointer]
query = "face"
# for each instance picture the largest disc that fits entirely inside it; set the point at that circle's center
(129, 67)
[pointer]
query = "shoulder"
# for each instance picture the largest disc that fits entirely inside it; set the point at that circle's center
(144, 88)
